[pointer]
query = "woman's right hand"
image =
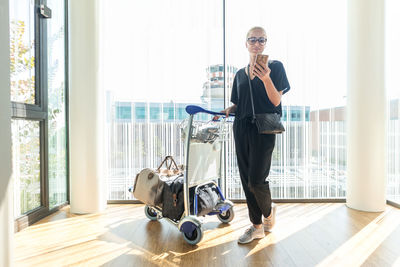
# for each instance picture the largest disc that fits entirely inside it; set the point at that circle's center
(229, 110)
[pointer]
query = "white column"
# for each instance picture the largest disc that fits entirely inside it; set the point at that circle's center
(366, 107)
(6, 208)
(87, 184)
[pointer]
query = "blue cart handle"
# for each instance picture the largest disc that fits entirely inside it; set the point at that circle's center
(193, 109)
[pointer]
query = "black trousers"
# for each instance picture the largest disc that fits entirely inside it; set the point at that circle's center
(254, 155)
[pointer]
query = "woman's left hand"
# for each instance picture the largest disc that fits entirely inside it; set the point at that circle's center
(262, 72)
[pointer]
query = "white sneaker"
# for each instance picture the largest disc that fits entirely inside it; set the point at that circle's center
(269, 222)
(250, 234)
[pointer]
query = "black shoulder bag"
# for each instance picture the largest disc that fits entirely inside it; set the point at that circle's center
(267, 123)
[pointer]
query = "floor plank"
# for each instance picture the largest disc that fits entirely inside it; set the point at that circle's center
(306, 234)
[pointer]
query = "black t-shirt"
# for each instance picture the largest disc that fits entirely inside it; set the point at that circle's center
(262, 104)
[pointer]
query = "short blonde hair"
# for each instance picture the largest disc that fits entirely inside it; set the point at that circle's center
(256, 28)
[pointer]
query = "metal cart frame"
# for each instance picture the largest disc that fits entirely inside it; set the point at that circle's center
(189, 224)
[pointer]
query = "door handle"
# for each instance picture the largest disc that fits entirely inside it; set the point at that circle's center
(45, 11)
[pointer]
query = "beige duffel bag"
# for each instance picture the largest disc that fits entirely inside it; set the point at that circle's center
(149, 183)
(148, 187)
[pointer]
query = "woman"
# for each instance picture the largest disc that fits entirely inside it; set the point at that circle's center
(254, 150)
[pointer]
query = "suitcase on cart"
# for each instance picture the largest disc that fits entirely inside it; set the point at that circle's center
(149, 183)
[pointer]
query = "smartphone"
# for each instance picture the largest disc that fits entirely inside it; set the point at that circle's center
(262, 59)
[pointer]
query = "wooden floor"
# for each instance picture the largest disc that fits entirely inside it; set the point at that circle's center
(323, 234)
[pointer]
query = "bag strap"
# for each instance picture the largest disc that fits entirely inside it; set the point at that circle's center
(172, 161)
(175, 188)
(251, 94)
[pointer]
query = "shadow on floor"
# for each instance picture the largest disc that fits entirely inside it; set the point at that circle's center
(303, 237)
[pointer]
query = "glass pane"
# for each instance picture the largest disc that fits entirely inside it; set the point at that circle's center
(392, 60)
(26, 165)
(56, 105)
(309, 159)
(170, 57)
(22, 54)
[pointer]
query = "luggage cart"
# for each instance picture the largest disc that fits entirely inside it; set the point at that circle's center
(202, 168)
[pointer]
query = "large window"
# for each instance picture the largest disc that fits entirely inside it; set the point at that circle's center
(23, 52)
(392, 81)
(172, 56)
(309, 160)
(159, 56)
(28, 112)
(57, 126)
(37, 69)
(26, 165)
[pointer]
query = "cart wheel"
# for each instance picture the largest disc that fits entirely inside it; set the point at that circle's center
(226, 216)
(194, 237)
(150, 213)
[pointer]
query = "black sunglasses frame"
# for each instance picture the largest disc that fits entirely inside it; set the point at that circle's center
(254, 40)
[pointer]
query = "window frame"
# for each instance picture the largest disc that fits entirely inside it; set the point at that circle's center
(39, 112)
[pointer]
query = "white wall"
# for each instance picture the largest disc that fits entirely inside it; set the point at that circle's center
(6, 218)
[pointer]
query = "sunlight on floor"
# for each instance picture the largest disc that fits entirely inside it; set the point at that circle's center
(122, 236)
(287, 227)
(356, 250)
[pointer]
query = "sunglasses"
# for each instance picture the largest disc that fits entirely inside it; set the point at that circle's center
(253, 40)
